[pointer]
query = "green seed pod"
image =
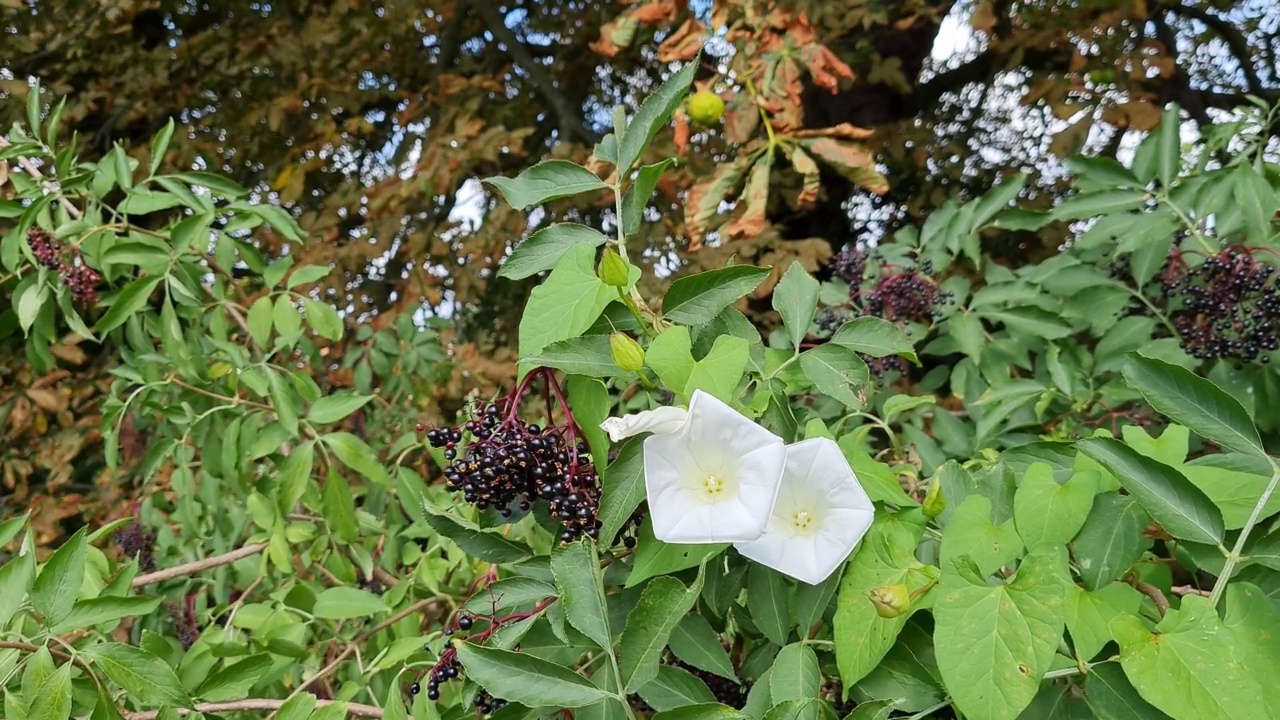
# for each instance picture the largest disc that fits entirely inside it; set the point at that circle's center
(627, 353)
(934, 501)
(613, 269)
(891, 601)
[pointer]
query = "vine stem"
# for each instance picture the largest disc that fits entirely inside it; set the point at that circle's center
(1233, 558)
(257, 704)
(192, 568)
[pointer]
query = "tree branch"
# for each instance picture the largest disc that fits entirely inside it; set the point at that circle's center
(1231, 35)
(192, 568)
(570, 118)
(257, 704)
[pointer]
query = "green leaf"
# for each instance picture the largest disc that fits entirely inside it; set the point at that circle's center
(654, 113)
(340, 508)
(812, 601)
(590, 402)
(637, 198)
(508, 594)
(216, 183)
(144, 676)
(695, 643)
(287, 320)
(308, 274)
(875, 337)
(144, 202)
(131, 299)
(697, 299)
(794, 674)
(52, 699)
(675, 688)
(299, 707)
(622, 490)
(283, 402)
(886, 556)
(720, 372)
(796, 300)
(671, 357)
(1089, 614)
(995, 643)
(15, 581)
(340, 603)
(294, 475)
(1030, 320)
(805, 709)
(393, 708)
(1048, 513)
(701, 711)
(54, 592)
(1191, 668)
(769, 597)
(323, 319)
(1180, 507)
(1254, 623)
(588, 355)
(332, 408)
(649, 625)
(654, 557)
(483, 544)
(970, 533)
(234, 681)
(1256, 200)
(565, 304)
(1235, 493)
(549, 180)
(357, 455)
(1169, 146)
(837, 372)
(1111, 696)
(1111, 540)
(543, 250)
(1103, 202)
(527, 680)
(105, 609)
(136, 253)
(581, 584)
(1194, 402)
(261, 315)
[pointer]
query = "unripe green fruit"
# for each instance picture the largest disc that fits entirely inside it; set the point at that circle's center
(613, 269)
(706, 108)
(627, 353)
(934, 501)
(891, 601)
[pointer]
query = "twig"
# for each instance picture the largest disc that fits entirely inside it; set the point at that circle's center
(192, 568)
(351, 646)
(257, 704)
(31, 169)
(28, 648)
(1184, 590)
(1153, 592)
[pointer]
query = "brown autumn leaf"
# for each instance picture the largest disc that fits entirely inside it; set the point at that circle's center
(682, 131)
(1142, 115)
(741, 119)
(702, 203)
(754, 201)
(808, 168)
(654, 13)
(983, 18)
(616, 36)
(684, 43)
(851, 160)
(843, 131)
(48, 399)
(824, 67)
(69, 352)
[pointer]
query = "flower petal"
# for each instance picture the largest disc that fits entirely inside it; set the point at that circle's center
(660, 420)
(817, 480)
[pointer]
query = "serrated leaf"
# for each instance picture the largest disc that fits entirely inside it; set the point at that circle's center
(697, 299)
(695, 643)
(581, 584)
(637, 197)
(545, 247)
(588, 355)
(527, 680)
(130, 300)
(338, 603)
(357, 455)
(796, 299)
(1180, 507)
(837, 372)
(1111, 540)
(875, 337)
(332, 408)
(54, 592)
(622, 489)
(769, 596)
(653, 114)
(565, 304)
(144, 676)
(664, 601)
(105, 609)
(795, 674)
(546, 181)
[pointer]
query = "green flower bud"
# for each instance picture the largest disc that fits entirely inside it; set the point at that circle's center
(891, 601)
(613, 269)
(934, 501)
(627, 353)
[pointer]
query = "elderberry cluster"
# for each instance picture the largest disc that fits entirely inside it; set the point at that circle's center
(507, 462)
(135, 540)
(76, 275)
(1227, 307)
(850, 264)
(909, 294)
(184, 626)
(448, 669)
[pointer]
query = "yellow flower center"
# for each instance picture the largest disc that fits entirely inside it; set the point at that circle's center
(801, 520)
(713, 485)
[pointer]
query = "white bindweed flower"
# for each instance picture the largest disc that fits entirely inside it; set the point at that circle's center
(820, 515)
(710, 474)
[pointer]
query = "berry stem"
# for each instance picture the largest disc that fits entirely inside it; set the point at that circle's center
(1233, 558)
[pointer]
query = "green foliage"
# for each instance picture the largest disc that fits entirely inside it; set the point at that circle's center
(1025, 559)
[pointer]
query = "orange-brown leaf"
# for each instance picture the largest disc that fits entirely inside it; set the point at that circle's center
(754, 203)
(824, 67)
(702, 204)
(681, 132)
(843, 131)
(808, 169)
(654, 13)
(684, 43)
(850, 160)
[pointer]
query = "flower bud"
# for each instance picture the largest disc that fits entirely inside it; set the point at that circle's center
(891, 601)
(627, 353)
(934, 501)
(613, 269)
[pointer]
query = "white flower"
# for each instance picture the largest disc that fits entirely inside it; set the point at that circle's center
(820, 515)
(711, 474)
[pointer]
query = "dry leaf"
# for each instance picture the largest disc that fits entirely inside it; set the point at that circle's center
(684, 43)
(754, 203)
